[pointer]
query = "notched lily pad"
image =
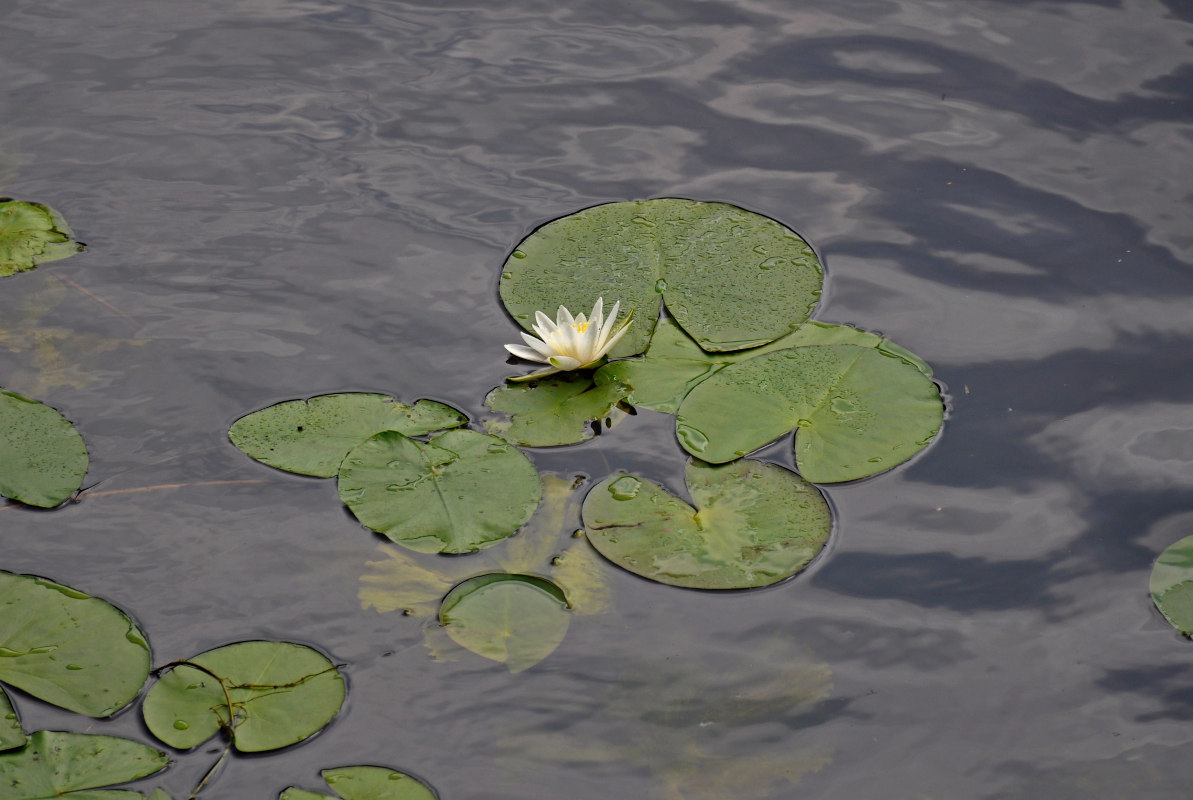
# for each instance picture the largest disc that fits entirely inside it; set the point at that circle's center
(731, 278)
(73, 765)
(280, 693)
(859, 410)
(559, 409)
(517, 620)
(69, 648)
(365, 783)
(1171, 585)
(311, 437)
(42, 457)
(32, 234)
(11, 733)
(753, 524)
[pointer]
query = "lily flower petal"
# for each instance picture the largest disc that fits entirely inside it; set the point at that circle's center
(570, 343)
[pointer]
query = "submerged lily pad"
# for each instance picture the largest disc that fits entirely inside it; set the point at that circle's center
(559, 409)
(459, 492)
(11, 733)
(754, 524)
(32, 234)
(71, 765)
(365, 783)
(311, 437)
(69, 648)
(281, 693)
(731, 278)
(859, 411)
(517, 620)
(42, 456)
(1171, 585)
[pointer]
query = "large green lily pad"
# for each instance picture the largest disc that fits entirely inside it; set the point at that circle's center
(11, 733)
(559, 409)
(281, 693)
(859, 410)
(42, 456)
(69, 648)
(517, 620)
(753, 524)
(674, 364)
(311, 437)
(457, 493)
(1171, 585)
(365, 783)
(731, 278)
(32, 234)
(73, 765)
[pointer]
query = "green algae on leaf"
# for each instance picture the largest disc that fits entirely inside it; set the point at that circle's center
(1171, 585)
(457, 493)
(74, 765)
(753, 524)
(42, 457)
(68, 648)
(517, 620)
(11, 733)
(32, 234)
(280, 693)
(731, 278)
(559, 409)
(311, 437)
(859, 410)
(365, 783)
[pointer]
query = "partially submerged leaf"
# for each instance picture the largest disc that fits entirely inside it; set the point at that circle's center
(11, 733)
(69, 648)
(280, 693)
(365, 783)
(1171, 585)
(558, 409)
(32, 234)
(517, 620)
(754, 524)
(311, 437)
(67, 765)
(42, 456)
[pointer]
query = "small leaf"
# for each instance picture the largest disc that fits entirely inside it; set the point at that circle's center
(459, 492)
(1171, 585)
(11, 733)
(517, 620)
(69, 648)
(281, 693)
(311, 437)
(42, 456)
(32, 234)
(365, 783)
(559, 409)
(69, 764)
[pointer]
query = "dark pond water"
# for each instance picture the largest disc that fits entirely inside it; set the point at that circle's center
(286, 198)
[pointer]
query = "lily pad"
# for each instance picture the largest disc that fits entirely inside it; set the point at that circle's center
(674, 364)
(32, 234)
(1171, 585)
(281, 693)
(42, 456)
(69, 648)
(754, 524)
(71, 765)
(559, 409)
(731, 278)
(457, 493)
(365, 783)
(517, 620)
(311, 437)
(859, 411)
(11, 733)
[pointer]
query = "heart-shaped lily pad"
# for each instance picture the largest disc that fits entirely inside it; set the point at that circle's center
(42, 456)
(311, 437)
(11, 733)
(517, 620)
(74, 765)
(559, 409)
(459, 492)
(859, 410)
(1171, 585)
(69, 648)
(32, 234)
(731, 278)
(280, 694)
(365, 783)
(754, 524)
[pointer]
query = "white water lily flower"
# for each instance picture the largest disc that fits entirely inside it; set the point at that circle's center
(571, 343)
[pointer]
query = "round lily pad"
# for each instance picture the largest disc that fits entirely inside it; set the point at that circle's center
(459, 492)
(32, 234)
(1171, 585)
(753, 524)
(731, 278)
(69, 648)
(559, 409)
(68, 765)
(42, 456)
(517, 620)
(859, 410)
(280, 694)
(311, 437)
(365, 783)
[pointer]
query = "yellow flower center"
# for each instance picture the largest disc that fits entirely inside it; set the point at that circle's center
(581, 327)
